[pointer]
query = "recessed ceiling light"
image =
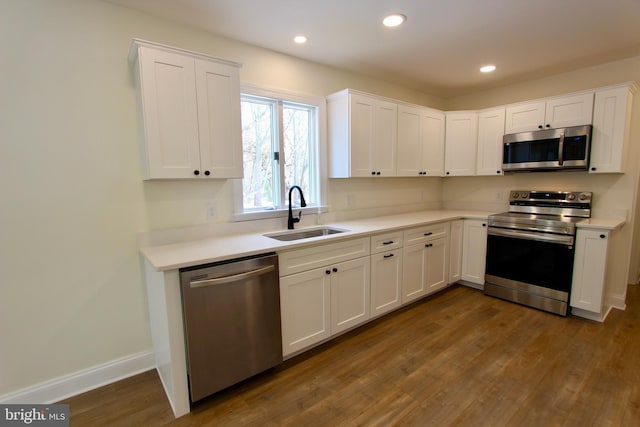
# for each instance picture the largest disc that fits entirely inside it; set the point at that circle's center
(300, 39)
(394, 20)
(487, 68)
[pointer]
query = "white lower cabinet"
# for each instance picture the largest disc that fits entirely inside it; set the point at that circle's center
(324, 290)
(305, 304)
(426, 262)
(386, 280)
(349, 293)
(589, 268)
(474, 251)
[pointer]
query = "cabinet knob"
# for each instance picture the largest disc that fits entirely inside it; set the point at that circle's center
(602, 236)
(327, 271)
(484, 225)
(378, 173)
(373, 173)
(593, 169)
(335, 270)
(196, 172)
(539, 126)
(428, 245)
(207, 173)
(548, 125)
(448, 173)
(498, 172)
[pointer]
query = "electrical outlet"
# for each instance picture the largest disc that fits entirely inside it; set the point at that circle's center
(212, 211)
(351, 199)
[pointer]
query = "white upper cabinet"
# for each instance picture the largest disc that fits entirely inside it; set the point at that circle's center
(362, 135)
(461, 143)
(490, 133)
(190, 108)
(611, 121)
(420, 141)
(573, 110)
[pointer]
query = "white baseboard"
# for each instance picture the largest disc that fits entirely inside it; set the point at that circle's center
(66, 386)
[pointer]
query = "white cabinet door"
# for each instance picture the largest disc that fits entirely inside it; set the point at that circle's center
(413, 272)
(420, 147)
(218, 88)
(350, 286)
(610, 136)
(490, 133)
(362, 114)
(433, 140)
(305, 306)
(524, 117)
(168, 102)
(385, 138)
(474, 251)
(437, 264)
(386, 280)
(455, 251)
(589, 269)
(461, 141)
(567, 111)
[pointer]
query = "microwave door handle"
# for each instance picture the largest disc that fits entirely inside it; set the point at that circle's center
(561, 148)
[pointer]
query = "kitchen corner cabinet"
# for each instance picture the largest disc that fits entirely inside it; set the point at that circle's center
(490, 133)
(611, 121)
(461, 137)
(557, 112)
(474, 251)
(190, 109)
(589, 269)
(362, 135)
(420, 141)
(425, 261)
(455, 251)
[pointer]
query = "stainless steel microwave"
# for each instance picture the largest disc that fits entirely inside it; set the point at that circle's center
(549, 149)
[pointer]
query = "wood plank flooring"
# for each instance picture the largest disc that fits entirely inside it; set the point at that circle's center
(458, 358)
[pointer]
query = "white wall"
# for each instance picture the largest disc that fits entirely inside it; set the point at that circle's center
(72, 201)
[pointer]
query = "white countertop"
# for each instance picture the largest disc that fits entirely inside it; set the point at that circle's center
(213, 249)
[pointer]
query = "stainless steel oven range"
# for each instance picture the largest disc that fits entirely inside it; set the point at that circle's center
(530, 248)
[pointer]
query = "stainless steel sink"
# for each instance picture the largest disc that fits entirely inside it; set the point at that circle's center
(287, 236)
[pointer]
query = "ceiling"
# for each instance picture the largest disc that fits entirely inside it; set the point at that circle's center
(440, 48)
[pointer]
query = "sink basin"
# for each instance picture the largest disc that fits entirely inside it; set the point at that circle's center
(287, 236)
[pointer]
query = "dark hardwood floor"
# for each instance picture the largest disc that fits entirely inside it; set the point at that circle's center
(457, 358)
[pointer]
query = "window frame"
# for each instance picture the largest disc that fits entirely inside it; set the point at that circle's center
(321, 154)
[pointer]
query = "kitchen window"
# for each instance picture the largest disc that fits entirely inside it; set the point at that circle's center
(282, 146)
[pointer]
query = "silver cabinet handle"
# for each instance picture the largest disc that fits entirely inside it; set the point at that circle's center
(231, 278)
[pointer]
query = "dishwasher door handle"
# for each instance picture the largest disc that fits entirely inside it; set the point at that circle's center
(231, 278)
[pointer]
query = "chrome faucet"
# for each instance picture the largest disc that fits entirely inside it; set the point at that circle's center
(303, 204)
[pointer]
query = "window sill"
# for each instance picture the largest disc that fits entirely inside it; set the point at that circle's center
(277, 213)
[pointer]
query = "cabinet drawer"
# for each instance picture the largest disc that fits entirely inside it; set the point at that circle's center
(426, 233)
(386, 242)
(308, 258)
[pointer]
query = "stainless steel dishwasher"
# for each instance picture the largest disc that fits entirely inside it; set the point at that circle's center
(231, 320)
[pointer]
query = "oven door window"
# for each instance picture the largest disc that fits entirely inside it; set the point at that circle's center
(549, 265)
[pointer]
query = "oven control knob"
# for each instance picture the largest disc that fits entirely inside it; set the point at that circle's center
(571, 196)
(524, 195)
(515, 195)
(583, 197)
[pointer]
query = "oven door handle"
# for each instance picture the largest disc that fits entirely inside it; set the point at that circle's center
(518, 234)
